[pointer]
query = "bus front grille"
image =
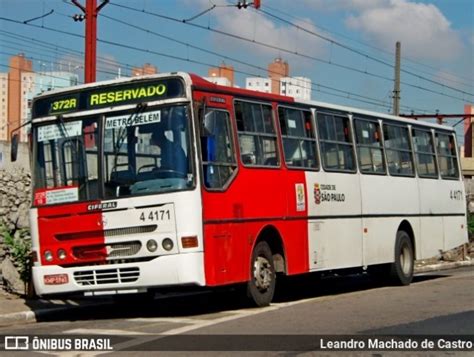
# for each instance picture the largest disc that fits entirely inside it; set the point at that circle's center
(107, 276)
(107, 233)
(116, 250)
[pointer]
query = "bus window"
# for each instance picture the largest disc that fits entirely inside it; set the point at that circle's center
(336, 143)
(425, 153)
(218, 159)
(369, 146)
(257, 137)
(299, 142)
(398, 149)
(448, 163)
(66, 159)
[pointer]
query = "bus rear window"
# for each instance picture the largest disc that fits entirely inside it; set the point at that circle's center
(448, 163)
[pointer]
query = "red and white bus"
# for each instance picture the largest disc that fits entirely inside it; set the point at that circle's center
(170, 181)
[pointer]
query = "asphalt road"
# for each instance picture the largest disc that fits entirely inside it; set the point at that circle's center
(434, 304)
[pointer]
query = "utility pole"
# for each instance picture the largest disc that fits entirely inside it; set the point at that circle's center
(90, 15)
(244, 4)
(396, 88)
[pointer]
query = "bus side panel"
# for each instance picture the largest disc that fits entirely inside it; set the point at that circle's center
(219, 242)
(234, 217)
(455, 233)
(396, 198)
(455, 224)
(334, 231)
(294, 232)
(432, 202)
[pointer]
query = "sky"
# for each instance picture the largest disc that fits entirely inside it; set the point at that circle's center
(346, 47)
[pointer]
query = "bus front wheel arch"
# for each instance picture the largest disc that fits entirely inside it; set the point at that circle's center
(272, 237)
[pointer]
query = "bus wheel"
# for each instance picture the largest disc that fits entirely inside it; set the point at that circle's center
(401, 271)
(261, 286)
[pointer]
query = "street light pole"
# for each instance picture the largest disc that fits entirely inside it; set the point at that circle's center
(90, 15)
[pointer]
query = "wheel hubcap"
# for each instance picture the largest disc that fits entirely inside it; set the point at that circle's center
(262, 273)
(405, 260)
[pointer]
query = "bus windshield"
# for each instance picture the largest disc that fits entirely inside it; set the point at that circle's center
(144, 152)
(147, 152)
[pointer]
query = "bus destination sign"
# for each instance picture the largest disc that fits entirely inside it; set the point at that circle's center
(99, 97)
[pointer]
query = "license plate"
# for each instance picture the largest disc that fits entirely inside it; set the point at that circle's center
(56, 279)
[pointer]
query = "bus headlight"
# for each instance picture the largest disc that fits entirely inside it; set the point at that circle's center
(48, 255)
(151, 245)
(61, 254)
(167, 244)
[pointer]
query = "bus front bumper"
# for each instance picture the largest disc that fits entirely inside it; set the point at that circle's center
(168, 270)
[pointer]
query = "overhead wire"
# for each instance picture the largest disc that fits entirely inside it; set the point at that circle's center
(378, 49)
(44, 45)
(34, 82)
(356, 51)
(220, 55)
(284, 50)
(353, 96)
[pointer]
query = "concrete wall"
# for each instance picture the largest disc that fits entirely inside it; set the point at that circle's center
(15, 201)
(23, 161)
(15, 187)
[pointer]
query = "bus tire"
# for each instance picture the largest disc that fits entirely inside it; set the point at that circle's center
(261, 286)
(401, 271)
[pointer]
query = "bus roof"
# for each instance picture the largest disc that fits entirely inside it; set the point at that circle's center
(201, 83)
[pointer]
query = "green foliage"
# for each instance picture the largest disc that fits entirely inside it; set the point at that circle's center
(470, 224)
(20, 251)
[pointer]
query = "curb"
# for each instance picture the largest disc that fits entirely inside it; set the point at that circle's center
(33, 316)
(443, 266)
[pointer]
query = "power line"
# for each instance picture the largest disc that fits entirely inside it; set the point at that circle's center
(349, 94)
(45, 56)
(19, 80)
(245, 39)
(360, 52)
(390, 53)
(52, 62)
(127, 23)
(68, 50)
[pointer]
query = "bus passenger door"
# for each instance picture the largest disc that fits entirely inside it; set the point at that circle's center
(219, 167)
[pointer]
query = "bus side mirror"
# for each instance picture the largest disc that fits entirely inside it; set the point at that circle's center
(14, 147)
